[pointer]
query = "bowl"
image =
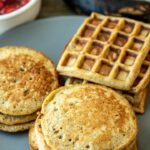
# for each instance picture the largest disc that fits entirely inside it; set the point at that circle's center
(24, 14)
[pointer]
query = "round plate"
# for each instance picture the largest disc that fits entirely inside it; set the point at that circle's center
(50, 36)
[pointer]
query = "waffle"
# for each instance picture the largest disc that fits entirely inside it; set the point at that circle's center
(136, 100)
(109, 51)
(143, 78)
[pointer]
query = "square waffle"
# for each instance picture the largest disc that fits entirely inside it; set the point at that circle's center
(137, 100)
(109, 51)
(143, 77)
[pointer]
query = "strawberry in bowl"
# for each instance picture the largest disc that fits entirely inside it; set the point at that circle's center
(16, 12)
(8, 6)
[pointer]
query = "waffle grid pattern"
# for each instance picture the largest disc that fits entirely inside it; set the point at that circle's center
(109, 51)
(143, 78)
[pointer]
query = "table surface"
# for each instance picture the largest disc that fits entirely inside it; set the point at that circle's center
(54, 8)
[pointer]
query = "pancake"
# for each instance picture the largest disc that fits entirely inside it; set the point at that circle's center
(39, 135)
(87, 117)
(26, 78)
(12, 120)
(138, 100)
(32, 139)
(16, 128)
(38, 138)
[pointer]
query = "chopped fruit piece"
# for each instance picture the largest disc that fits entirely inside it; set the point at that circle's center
(9, 9)
(1, 4)
(8, 6)
(23, 2)
(9, 1)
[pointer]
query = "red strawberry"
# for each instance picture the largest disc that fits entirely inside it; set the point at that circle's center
(9, 1)
(23, 2)
(1, 4)
(9, 8)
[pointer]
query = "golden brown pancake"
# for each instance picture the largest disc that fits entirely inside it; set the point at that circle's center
(32, 139)
(137, 100)
(26, 78)
(12, 120)
(17, 127)
(87, 117)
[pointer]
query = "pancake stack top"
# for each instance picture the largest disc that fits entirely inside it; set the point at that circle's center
(26, 78)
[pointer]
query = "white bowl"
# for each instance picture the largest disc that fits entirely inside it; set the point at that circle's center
(24, 14)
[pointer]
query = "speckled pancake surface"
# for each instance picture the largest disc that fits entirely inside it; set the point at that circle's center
(26, 77)
(87, 117)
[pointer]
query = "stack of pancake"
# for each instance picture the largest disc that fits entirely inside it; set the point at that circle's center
(84, 117)
(26, 78)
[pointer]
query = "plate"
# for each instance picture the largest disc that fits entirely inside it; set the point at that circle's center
(50, 36)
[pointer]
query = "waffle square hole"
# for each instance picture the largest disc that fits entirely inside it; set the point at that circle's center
(103, 35)
(144, 31)
(128, 27)
(105, 69)
(87, 31)
(95, 21)
(144, 68)
(129, 58)
(71, 59)
(79, 45)
(87, 63)
(111, 23)
(96, 48)
(120, 40)
(148, 57)
(137, 81)
(137, 45)
(122, 74)
(113, 54)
